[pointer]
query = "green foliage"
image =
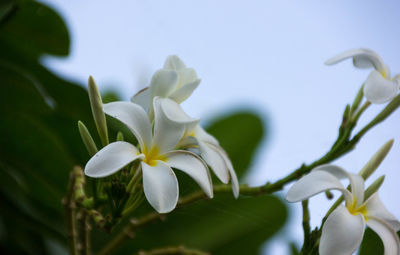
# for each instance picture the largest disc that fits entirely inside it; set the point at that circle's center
(222, 225)
(40, 144)
(371, 244)
(240, 134)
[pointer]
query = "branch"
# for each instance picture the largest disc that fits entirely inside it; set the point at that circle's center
(341, 146)
(180, 250)
(69, 207)
(306, 224)
(84, 232)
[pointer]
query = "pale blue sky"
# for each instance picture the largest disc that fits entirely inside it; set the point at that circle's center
(266, 55)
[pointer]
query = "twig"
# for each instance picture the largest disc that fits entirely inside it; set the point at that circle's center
(69, 206)
(342, 145)
(180, 250)
(84, 233)
(306, 224)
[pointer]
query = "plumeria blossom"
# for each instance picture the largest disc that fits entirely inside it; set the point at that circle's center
(343, 230)
(379, 87)
(204, 144)
(177, 82)
(174, 81)
(155, 152)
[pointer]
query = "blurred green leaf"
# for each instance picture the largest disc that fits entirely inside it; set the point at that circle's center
(39, 139)
(222, 225)
(35, 29)
(372, 243)
(239, 134)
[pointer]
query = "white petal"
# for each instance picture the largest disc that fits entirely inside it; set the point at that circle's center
(203, 136)
(173, 111)
(134, 117)
(389, 237)
(186, 75)
(188, 142)
(215, 160)
(362, 58)
(342, 233)
(356, 181)
(167, 133)
(111, 158)
(377, 209)
(142, 98)
(182, 93)
(379, 90)
(160, 186)
(192, 165)
(232, 173)
(313, 183)
(163, 83)
(173, 62)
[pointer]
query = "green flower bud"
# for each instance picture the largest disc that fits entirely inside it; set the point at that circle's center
(376, 160)
(87, 139)
(97, 111)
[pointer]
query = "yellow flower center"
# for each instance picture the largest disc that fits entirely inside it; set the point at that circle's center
(152, 156)
(353, 209)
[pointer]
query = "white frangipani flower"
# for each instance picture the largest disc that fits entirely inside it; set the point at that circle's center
(379, 86)
(156, 152)
(198, 140)
(343, 230)
(174, 81)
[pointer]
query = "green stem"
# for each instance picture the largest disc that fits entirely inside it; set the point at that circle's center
(360, 111)
(69, 206)
(84, 234)
(306, 224)
(342, 146)
(180, 250)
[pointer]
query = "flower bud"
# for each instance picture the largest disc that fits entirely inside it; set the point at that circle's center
(120, 136)
(87, 139)
(376, 160)
(373, 187)
(97, 111)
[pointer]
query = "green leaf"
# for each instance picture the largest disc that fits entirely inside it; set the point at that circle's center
(239, 134)
(372, 243)
(37, 24)
(222, 225)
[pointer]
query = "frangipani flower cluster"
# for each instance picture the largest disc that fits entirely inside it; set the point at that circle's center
(177, 82)
(164, 146)
(343, 230)
(379, 87)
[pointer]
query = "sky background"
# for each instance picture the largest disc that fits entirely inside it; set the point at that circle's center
(262, 55)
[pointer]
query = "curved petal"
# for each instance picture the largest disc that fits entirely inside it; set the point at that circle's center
(160, 186)
(134, 117)
(192, 165)
(142, 98)
(188, 142)
(215, 160)
(313, 183)
(167, 133)
(362, 58)
(203, 136)
(163, 83)
(173, 62)
(389, 237)
(186, 75)
(182, 93)
(356, 181)
(174, 112)
(232, 173)
(111, 158)
(379, 90)
(377, 209)
(342, 233)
